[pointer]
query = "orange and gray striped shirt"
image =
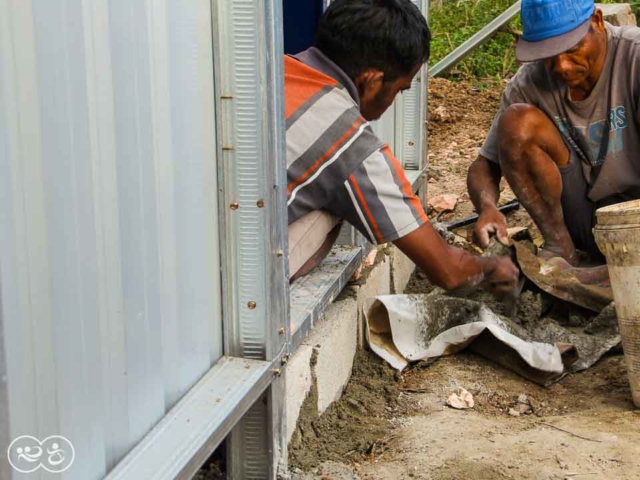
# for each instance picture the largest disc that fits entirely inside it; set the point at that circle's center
(334, 160)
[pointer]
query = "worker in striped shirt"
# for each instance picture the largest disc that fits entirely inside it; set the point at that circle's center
(366, 52)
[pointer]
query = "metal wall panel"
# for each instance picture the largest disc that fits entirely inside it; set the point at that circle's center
(250, 46)
(385, 127)
(410, 116)
(109, 248)
(409, 124)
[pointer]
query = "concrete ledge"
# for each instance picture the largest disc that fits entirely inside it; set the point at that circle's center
(319, 370)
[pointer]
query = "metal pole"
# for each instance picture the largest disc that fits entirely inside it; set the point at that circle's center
(474, 42)
(256, 310)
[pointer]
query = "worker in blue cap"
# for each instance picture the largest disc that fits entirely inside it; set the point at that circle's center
(567, 135)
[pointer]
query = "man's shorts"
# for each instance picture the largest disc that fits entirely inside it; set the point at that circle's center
(310, 238)
(578, 210)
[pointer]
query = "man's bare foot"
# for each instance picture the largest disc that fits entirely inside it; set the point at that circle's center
(547, 252)
(586, 276)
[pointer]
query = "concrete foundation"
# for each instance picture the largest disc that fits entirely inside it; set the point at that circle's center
(325, 359)
(298, 375)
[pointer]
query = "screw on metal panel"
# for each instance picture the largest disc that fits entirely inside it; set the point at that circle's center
(277, 372)
(281, 331)
(279, 253)
(260, 203)
(284, 360)
(234, 206)
(251, 305)
(411, 144)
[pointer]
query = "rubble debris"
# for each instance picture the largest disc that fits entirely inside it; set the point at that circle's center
(461, 399)
(435, 172)
(524, 405)
(368, 262)
(444, 202)
(442, 115)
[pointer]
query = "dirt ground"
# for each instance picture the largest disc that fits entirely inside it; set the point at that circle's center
(460, 116)
(393, 426)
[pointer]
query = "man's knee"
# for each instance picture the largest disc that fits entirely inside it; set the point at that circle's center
(522, 127)
(518, 125)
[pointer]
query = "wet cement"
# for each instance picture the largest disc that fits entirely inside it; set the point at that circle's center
(361, 417)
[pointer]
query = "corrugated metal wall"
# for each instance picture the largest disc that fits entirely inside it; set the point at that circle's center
(109, 249)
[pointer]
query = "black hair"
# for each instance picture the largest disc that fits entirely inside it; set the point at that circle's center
(388, 35)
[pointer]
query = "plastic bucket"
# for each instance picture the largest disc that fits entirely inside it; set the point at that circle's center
(618, 236)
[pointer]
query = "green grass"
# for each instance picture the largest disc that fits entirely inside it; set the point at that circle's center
(458, 20)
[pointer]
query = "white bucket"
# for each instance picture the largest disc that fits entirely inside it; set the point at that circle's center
(618, 236)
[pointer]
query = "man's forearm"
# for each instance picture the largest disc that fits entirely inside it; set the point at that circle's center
(444, 265)
(483, 184)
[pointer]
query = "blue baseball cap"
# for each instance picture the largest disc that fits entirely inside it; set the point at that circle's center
(551, 27)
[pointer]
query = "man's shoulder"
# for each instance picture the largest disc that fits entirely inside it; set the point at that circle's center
(626, 63)
(629, 34)
(530, 74)
(305, 86)
(627, 42)
(531, 80)
(294, 68)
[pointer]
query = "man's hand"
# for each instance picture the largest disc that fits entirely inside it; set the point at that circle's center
(491, 222)
(483, 183)
(502, 278)
(452, 268)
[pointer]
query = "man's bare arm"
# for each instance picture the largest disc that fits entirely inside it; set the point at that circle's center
(483, 184)
(451, 268)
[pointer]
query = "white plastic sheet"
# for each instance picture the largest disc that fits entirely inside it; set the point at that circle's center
(396, 332)
(409, 328)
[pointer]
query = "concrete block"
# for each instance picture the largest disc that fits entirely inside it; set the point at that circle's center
(401, 270)
(374, 282)
(619, 14)
(334, 341)
(298, 382)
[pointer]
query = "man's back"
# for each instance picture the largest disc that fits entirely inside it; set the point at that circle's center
(327, 137)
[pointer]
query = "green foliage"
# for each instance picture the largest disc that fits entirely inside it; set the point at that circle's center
(457, 20)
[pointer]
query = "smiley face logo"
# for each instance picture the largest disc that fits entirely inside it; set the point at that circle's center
(27, 454)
